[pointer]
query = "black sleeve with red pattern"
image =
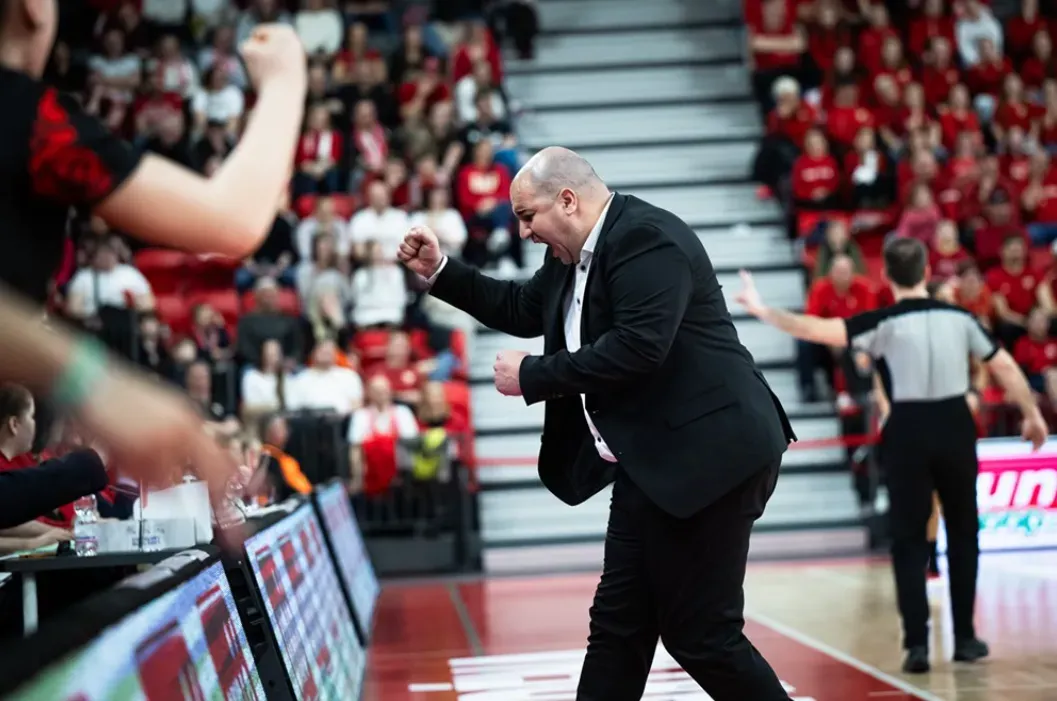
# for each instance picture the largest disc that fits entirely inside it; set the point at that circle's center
(74, 159)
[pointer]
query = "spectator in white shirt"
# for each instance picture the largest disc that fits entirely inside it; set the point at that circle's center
(480, 80)
(323, 273)
(115, 76)
(264, 387)
(378, 222)
(320, 28)
(178, 72)
(323, 219)
(325, 385)
(222, 53)
(374, 432)
(218, 101)
(976, 23)
(444, 220)
(379, 291)
(260, 12)
(107, 283)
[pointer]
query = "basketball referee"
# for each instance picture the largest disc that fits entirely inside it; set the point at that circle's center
(929, 440)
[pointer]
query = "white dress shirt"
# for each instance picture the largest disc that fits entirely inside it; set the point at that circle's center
(573, 305)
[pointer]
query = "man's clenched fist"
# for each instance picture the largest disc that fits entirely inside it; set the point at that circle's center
(420, 251)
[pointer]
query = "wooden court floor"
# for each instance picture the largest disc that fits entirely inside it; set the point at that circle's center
(828, 628)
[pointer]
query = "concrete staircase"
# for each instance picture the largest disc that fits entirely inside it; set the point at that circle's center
(656, 95)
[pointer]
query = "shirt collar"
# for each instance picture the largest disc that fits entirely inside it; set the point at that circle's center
(592, 238)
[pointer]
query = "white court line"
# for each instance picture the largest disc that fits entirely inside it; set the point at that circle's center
(429, 688)
(847, 659)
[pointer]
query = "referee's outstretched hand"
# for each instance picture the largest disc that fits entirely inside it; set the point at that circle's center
(1034, 429)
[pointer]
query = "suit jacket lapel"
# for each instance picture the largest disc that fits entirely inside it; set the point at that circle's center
(615, 208)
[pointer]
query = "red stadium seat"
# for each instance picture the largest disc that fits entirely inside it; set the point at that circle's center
(211, 272)
(371, 344)
(165, 269)
(173, 310)
(304, 206)
(345, 205)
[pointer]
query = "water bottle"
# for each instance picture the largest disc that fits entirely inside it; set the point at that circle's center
(85, 516)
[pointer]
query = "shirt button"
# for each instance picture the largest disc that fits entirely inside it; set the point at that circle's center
(577, 300)
(583, 268)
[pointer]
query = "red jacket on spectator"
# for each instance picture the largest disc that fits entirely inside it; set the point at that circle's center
(317, 145)
(1020, 34)
(843, 122)
(795, 125)
(812, 175)
(463, 58)
(476, 184)
(823, 299)
(1034, 355)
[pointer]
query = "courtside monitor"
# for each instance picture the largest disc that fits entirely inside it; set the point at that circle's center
(182, 639)
(308, 618)
(354, 566)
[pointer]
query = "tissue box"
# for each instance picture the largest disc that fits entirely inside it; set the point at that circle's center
(117, 536)
(165, 533)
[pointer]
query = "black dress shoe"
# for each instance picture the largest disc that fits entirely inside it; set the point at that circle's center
(917, 660)
(970, 650)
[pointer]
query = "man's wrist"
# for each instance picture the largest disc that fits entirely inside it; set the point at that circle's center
(436, 273)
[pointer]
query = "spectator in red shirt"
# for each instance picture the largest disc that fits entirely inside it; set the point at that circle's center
(921, 215)
(777, 45)
(319, 155)
(931, 25)
(971, 293)
(947, 252)
(939, 74)
(1040, 65)
(482, 192)
(847, 115)
(816, 175)
(841, 294)
(958, 116)
(1039, 199)
(405, 379)
(1013, 287)
(1022, 29)
(871, 39)
(421, 90)
(827, 35)
(1013, 112)
(986, 77)
(791, 117)
(19, 428)
(1036, 353)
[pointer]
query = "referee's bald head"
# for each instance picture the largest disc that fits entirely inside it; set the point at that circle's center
(906, 262)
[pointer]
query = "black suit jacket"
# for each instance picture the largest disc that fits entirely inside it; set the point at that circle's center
(671, 389)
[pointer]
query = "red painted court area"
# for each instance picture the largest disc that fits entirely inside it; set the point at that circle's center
(523, 640)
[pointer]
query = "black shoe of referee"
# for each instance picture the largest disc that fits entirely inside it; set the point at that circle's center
(970, 650)
(917, 660)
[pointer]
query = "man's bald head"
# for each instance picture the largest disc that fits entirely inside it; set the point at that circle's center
(555, 168)
(558, 199)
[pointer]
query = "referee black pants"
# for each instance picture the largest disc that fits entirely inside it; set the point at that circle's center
(928, 446)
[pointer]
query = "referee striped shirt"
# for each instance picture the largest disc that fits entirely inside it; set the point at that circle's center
(926, 345)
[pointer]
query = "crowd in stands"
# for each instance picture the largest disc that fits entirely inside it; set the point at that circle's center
(406, 122)
(935, 120)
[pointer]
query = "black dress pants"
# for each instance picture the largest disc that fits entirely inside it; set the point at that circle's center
(679, 580)
(928, 446)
